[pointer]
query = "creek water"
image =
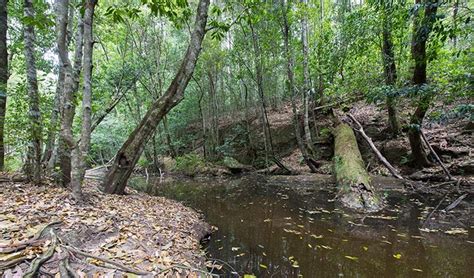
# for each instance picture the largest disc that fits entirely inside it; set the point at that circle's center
(286, 228)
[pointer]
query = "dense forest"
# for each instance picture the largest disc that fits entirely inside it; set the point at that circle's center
(366, 106)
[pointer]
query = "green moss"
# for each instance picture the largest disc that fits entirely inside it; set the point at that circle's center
(352, 178)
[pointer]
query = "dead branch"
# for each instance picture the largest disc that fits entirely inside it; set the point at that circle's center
(435, 155)
(382, 159)
(36, 264)
(455, 203)
(111, 262)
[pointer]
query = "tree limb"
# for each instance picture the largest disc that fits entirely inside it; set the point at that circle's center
(382, 159)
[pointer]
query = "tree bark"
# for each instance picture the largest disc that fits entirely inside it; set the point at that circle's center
(34, 153)
(71, 84)
(128, 155)
(79, 160)
(390, 69)
(291, 88)
(353, 181)
(306, 82)
(422, 28)
(3, 76)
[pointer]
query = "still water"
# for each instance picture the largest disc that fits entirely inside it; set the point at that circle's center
(271, 227)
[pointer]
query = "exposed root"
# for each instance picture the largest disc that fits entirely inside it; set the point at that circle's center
(10, 248)
(118, 265)
(36, 264)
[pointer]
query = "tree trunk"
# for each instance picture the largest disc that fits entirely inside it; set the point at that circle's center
(79, 161)
(353, 181)
(422, 28)
(390, 71)
(128, 155)
(48, 152)
(71, 84)
(34, 153)
(291, 88)
(3, 76)
(306, 82)
(169, 142)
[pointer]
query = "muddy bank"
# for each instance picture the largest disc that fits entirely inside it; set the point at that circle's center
(107, 235)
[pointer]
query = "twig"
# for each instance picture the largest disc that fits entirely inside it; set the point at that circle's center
(436, 155)
(455, 203)
(111, 262)
(36, 264)
(439, 204)
(382, 159)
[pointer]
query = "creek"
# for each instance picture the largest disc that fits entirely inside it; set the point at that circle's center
(282, 227)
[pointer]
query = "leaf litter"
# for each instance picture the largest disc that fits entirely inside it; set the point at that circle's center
(106, 236)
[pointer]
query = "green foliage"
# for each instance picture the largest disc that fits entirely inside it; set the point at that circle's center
(190, 164)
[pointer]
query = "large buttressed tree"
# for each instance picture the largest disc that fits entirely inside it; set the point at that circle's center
(128, 155)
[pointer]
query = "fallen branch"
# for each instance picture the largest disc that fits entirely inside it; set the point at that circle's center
(436, 155)
(111, 262)
(36, 264)
(382, 159)
(455, 203)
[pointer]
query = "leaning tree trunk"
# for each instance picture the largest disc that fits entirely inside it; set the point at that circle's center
(3, 76)
(71, 84)
(422, 28)
(80, 152)
(129, 153)
(353, 181)
(34, 153)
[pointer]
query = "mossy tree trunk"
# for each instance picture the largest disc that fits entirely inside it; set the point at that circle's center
(354, 185)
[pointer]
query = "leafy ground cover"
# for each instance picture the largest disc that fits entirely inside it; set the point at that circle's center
(43, 231)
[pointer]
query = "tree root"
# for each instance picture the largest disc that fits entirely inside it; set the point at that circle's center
(111, 262)
(36, 264)
(10, 248)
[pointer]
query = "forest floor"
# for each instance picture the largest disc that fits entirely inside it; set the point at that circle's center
(105, 236)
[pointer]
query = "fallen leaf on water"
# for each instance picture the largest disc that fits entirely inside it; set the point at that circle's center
(351, 258)
(365, 248)
(316, 236)
(456, 231)
(267, 220)
(397, 256)
(263, 266)
(235, 249)
(417, 270)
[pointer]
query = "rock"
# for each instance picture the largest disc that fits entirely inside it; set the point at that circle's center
(235, 166)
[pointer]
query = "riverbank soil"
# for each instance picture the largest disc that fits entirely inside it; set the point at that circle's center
(106, 236)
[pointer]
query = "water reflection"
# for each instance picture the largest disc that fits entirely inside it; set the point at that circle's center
(269, 230)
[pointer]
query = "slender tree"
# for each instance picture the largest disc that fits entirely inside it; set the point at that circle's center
(71, 84)
(33, 169)
(291, 87)
(422, 27)
(306, 80)
(389, 66)
(129, 153)
(79, 161)
(3, 76)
